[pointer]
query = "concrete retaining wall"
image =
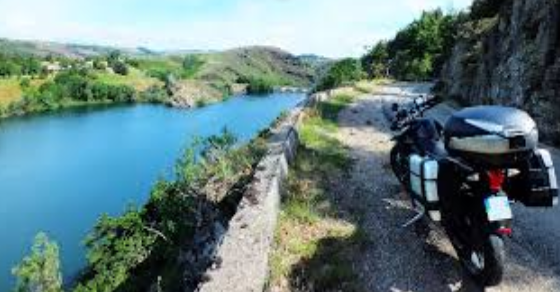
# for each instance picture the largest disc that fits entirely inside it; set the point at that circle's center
(242, 259)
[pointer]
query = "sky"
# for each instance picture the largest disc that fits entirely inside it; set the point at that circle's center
(332, 28)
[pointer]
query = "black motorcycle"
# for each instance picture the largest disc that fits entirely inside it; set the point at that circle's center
(466, 173)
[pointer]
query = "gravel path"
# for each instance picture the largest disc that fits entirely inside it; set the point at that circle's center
(403, 259)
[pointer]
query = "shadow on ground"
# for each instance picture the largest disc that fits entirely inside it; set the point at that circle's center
(386, 256)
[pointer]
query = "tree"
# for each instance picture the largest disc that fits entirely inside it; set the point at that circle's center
(376, 62)
(117, 63)
(40, 272)
(115, 246)
(120, 68)
(114, 57)
(9, 68)
(30, 66)
(99, 64)
(418, 51)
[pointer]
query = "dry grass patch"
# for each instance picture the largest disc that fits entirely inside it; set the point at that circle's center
(135, 79)
(10, 89)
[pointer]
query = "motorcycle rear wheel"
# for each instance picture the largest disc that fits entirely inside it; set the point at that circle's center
(485, 266)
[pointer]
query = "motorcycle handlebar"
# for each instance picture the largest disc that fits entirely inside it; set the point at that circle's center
(412, 111)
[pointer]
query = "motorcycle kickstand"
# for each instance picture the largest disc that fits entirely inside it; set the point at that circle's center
(419, 214)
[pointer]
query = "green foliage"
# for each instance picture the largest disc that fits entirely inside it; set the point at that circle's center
(162, 68)
(15, 65)
(376, 62)
(341, 72)
(191, 66)
(117, 62)
(25, 83)
(115, 246)
(257, 85)
(70, 87)
(41, 270)
(9, 68)
(120, 68)
(330, 109)
(99, 64)
(418, 51)
(131, 251)
(154, 94)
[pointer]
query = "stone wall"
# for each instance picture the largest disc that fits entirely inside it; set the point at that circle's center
(241, 262)
(511, 59)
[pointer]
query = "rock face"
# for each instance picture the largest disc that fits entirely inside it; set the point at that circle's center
(191, 93)
(511, 58)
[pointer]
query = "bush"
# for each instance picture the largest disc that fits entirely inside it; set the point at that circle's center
(120, 68)
(191, 66)
(159, 73)
(41, 270)
(154, 94)
(131, 251)
(343, 71)
(259, 86)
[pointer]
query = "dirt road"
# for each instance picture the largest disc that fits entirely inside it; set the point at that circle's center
(400, 259)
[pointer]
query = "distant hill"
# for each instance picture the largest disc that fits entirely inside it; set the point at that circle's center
(44, 48)
(315, 60)
(227, 66)
(257, 62)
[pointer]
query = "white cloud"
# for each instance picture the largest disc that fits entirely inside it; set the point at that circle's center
(330, 27)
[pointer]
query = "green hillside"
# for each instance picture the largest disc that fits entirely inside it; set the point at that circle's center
(29, 71)
(280, 67)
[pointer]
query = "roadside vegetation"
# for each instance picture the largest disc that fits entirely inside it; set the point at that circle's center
(417, 52)
(317, 239)
(142, 247)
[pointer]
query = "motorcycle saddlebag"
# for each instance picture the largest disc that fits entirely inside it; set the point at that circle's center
(536, 184)
(424, 173)
(491, 136)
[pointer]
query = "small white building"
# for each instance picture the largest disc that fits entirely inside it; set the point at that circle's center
(51, 67)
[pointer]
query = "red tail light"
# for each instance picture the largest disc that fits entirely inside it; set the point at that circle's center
(496, 179)
(506, 231)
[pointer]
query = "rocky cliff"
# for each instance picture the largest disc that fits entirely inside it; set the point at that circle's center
(510, 55)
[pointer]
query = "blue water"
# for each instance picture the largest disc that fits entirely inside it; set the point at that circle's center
(60, 171)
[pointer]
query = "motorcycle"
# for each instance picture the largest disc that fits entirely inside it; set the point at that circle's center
(467, 173)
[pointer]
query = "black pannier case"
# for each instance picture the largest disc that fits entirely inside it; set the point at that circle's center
(491, 136)
(536, 184)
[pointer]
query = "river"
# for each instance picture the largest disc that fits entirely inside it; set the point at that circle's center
(60, 171)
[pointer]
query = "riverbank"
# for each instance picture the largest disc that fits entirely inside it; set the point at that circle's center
(93, 162)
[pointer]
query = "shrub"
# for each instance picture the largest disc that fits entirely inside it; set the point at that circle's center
(40, 271)
(343, 71)
(259, 86)
(154, 94)
(191, 66)
(120, 68)
(130, 251)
